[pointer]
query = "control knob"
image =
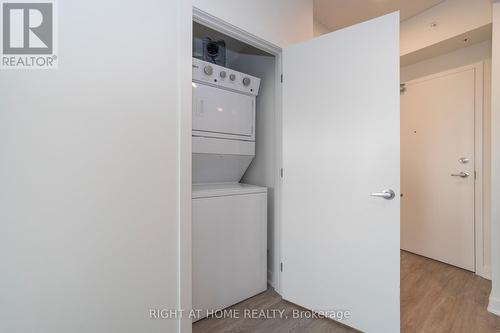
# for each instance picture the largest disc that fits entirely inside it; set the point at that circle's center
(208, 70)
(232, 77)
(246, 81)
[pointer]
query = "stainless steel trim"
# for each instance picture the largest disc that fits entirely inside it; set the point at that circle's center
(386, 194)
(461, 174)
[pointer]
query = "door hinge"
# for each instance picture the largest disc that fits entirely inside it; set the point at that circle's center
(402, 88)
(281, 267)
(475, 175)
(281, 78)
(281, 172)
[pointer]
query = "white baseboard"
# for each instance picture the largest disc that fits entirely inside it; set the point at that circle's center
(494, 306)
(270, 278)
(485, 272)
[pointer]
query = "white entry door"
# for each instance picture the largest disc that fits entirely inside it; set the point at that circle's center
(341, 139)
(437, 167)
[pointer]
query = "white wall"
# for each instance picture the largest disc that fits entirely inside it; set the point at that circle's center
(281, 22)
(475, 53)
(494, 305)
(89, 175)
(469, 55)
(319, 28)
(454, 17)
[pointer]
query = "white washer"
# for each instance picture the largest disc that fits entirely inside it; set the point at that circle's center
(229, 244)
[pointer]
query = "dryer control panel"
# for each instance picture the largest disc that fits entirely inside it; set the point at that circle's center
(223, 77)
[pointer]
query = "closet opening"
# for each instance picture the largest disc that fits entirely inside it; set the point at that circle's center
(236, 161)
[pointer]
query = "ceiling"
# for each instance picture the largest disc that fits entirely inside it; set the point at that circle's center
(337, 14)
(475, 36)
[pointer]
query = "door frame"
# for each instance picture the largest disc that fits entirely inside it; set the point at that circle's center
(185, 167)
(478, 68)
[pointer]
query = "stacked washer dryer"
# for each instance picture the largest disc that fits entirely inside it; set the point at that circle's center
(229, 217)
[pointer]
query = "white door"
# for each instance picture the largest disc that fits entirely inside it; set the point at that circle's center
(341, 128)
(437, 167)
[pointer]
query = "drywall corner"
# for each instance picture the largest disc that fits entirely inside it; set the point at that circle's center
(494, 305)
(319, 28)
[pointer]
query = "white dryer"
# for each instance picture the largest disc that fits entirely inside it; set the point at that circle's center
(223, 122)
(229, 218)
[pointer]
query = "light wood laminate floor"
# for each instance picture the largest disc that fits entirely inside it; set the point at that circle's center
(435, 298)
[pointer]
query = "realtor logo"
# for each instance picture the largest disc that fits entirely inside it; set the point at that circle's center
(28, 35)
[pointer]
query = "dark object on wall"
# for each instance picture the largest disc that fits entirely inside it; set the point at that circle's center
(214, 51)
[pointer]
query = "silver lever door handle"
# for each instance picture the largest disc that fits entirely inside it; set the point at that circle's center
(461, 174)
(386, 194)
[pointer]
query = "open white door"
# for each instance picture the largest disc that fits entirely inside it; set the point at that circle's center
(340, 244)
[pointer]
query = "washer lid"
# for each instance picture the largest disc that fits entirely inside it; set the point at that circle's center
(224, 189)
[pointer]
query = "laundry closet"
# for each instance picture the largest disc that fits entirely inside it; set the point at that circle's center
(295, 168)
(234, 173)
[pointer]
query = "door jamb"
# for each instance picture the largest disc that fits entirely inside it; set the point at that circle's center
(478, 67)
